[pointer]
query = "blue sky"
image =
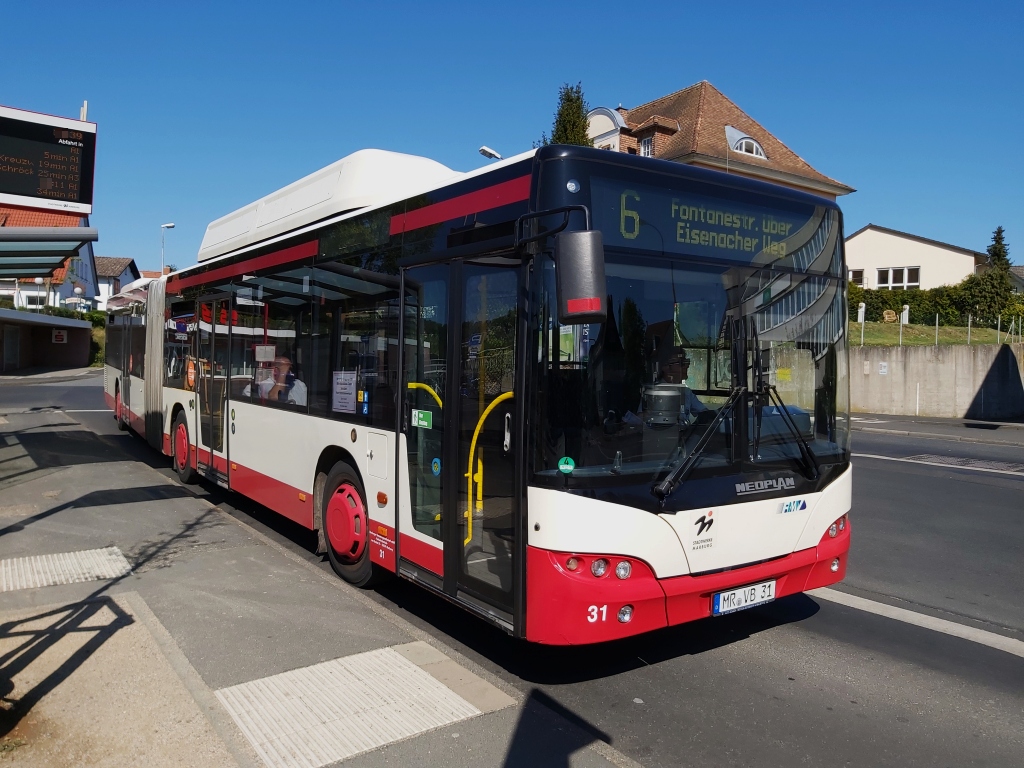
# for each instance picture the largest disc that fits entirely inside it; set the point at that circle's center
(203, 107)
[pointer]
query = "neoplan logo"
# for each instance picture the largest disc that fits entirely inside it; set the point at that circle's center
(705, 523)
(765, 486)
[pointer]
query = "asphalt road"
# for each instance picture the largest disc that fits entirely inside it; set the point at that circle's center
(801, 680)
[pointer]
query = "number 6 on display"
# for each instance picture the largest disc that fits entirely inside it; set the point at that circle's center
(626, 214)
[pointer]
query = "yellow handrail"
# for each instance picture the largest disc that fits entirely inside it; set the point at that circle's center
(428, 388)
(469, 473)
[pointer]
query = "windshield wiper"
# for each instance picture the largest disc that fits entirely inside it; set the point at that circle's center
(763, 394)
(675, 477)
(787, 418)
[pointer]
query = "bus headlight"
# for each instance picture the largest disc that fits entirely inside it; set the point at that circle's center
(625, 614)
(835, 565)
(572, 563)
(833, 530)
(599, 567)
(623, 569)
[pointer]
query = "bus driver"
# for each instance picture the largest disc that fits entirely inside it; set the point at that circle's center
(283, 386)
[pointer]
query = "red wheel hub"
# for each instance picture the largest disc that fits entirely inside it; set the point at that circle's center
(346, 522)
(181, 447)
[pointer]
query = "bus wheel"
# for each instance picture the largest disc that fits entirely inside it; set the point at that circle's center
(119, 409)
(181, 451)
(347, 522)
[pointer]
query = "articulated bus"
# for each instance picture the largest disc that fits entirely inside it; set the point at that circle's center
(581, 394)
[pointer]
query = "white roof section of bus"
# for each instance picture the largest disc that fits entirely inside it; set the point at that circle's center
(364, 179)
(388, 189)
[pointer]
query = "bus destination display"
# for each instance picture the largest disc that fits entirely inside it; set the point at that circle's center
(663, 219)
(46, 162)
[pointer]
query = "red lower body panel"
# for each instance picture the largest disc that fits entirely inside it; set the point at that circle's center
(575, 607)
(421, 553)
(282, 498)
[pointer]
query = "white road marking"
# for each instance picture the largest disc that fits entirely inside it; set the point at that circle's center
(482, 559)
(328, 712)
(981, 636)
(62, 568)
(88, 410)
(958, 461)
(947, 465)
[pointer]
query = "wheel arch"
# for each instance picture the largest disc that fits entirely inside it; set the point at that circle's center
(329, 456)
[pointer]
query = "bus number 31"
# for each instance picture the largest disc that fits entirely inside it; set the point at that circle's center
(593, 612)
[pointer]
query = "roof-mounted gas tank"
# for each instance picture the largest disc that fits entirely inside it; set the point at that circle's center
(369, 177)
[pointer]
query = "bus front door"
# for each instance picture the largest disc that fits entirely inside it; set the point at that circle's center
(461, 324)
(211, 388)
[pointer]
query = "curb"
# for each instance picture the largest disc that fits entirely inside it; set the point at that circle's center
(937, 436)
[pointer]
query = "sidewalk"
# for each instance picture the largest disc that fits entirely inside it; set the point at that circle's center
(47, 375)
(962, 430)
(168, 632)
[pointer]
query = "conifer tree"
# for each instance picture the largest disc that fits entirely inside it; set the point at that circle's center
(998, 251)
(570, 126)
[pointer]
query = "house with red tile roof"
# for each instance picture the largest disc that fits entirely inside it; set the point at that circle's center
(700, 126)
(75, 271)
(113, 274)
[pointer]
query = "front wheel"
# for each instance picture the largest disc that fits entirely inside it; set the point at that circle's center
(181, 451)
(347, 522)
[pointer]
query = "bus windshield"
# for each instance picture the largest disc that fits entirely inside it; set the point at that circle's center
(627, 401)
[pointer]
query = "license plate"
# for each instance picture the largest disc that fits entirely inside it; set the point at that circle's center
(743, 597)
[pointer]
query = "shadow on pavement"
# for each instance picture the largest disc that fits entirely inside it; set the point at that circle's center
(74, 618)
(60, 624)
(551, 665)
(103, 498)
(536, 743)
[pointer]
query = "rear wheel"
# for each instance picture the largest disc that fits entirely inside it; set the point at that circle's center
(119, 409)
(346, 519)
(181, 450)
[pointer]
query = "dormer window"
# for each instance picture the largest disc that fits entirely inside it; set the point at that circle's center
(748, 146)
(647, 147)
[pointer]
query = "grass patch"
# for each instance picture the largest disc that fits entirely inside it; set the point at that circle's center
(888, 335)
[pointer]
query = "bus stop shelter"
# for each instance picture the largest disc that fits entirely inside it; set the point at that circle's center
(33, 339)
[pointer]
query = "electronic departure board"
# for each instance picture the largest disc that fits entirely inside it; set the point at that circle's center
(46, 162)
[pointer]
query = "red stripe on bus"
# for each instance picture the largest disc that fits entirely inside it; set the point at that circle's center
(280, 497)
(267, 260)
(505, 193)
(422, 554)
(220, 464)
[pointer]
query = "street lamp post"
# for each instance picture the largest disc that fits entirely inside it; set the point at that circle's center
(38, 282)
(163, 230)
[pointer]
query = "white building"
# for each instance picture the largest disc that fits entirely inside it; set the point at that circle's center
(877, 257)
(113, 274)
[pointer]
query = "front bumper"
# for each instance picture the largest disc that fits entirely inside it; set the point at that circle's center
(575, 608)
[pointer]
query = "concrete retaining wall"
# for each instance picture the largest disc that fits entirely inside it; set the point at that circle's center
(982, 381)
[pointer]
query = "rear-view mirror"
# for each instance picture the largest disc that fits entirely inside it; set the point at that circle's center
(579, 278)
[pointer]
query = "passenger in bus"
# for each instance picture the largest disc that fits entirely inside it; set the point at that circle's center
(283, 387)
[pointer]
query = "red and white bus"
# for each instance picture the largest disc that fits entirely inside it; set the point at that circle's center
(582, 394)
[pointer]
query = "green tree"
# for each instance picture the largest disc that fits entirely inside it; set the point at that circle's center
(999, 251)
(570, 125)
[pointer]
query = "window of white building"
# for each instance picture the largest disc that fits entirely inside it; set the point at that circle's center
(857, 277)
(899, 278)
